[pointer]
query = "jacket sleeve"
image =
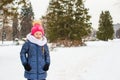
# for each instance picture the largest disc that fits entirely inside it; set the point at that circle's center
(23, 53)
(47, 55)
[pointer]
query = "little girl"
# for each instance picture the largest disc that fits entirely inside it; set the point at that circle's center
(34, 54)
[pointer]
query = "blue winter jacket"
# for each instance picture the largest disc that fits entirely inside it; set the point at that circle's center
(36, 56)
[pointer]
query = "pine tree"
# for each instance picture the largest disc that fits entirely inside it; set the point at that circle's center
(8, 11)
(67, 21)
(82, 20)
(4, 2)
(15, 19)
(26, 19)
(105, 30)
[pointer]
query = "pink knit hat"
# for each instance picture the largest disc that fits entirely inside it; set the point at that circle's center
(37, 27)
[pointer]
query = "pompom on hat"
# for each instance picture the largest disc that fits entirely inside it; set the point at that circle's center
(37, 27)
(37, 22)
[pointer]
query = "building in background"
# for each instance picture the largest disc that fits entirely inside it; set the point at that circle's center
(116, 28)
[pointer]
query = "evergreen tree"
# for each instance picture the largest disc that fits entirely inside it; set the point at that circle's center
(10, 14)
(105, 30)
(26, 19)
(67, 21)
(15, 19)
(4, 2)
(82, 20)
(7, 12)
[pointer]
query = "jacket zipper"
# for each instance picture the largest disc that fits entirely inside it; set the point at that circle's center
(37, 62)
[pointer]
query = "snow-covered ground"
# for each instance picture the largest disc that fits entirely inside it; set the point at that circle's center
(98, 60)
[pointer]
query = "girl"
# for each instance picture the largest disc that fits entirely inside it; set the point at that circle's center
(34, 54)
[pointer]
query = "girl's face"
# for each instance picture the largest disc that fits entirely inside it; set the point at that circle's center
(38, 35)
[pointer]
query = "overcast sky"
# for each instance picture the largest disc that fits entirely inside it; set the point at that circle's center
(39, 7)
(95, 8)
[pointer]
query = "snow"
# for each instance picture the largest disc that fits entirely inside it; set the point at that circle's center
(99, 60)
